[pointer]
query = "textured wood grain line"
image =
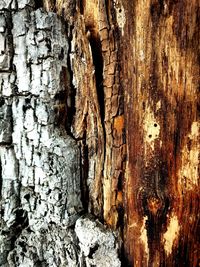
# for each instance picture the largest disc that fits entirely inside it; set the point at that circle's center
(162, 93)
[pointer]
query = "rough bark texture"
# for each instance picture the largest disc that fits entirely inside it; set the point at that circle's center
(40, 162)
(99, 114)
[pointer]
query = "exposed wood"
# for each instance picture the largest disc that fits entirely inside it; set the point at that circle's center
(102, 29)
(99, 116)
(129, 76)
(162, 125)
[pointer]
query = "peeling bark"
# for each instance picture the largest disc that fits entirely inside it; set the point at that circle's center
(39, 158)
(99, 115)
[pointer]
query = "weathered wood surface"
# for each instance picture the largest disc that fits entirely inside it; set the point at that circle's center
(149, 73)
(130, 103)
(161, 79)
(146, 59)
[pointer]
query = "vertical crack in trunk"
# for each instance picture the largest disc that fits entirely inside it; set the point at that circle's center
(72, 92)
(86, 65)
(102, 33)
(39, 3)
(84, 173)
(97, 56)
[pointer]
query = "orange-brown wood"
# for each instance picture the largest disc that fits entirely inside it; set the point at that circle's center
(161, 73)
(137, 107)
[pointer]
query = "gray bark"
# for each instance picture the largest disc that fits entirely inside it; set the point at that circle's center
(40, 164)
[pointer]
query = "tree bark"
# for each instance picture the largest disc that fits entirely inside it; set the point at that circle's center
(99, 116)
(41, 207)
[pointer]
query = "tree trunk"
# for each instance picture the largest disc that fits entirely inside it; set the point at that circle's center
(99, 133)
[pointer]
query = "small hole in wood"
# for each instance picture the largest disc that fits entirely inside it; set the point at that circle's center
(27, 197)
(150, 136)
(155, 124)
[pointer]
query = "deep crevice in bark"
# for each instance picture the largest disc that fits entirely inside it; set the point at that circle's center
(10, 39)
(81, 4)
(72, 94)
(39, 4)
(84, 174)
(95, 44)
(97, 56)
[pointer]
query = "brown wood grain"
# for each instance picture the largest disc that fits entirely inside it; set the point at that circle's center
(142, 95)
(162, 125)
